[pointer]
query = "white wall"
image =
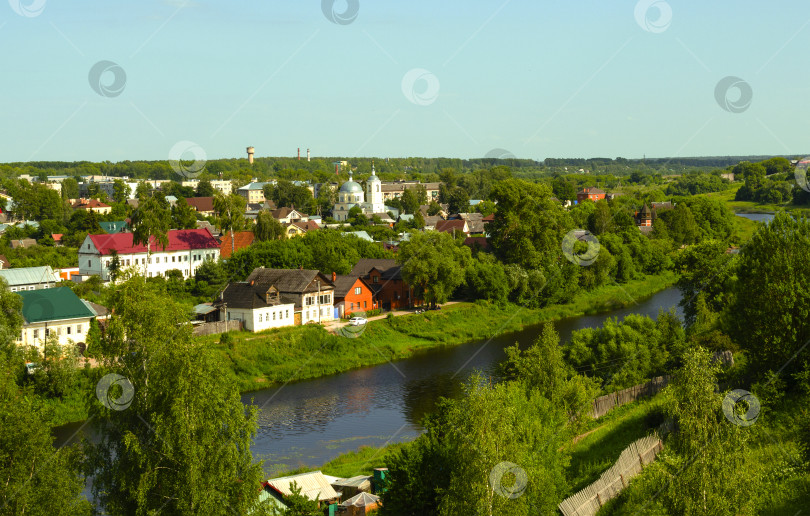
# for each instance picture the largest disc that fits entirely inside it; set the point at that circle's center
(309, 312)
(68, 330)
(264, 318)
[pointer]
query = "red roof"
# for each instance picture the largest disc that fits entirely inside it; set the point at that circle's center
(88, 204)
(57, 237)
(241, 239)
(449, 226)
(179, 240)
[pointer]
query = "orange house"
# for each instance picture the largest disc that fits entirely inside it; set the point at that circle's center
(591, 194)
(352, 295)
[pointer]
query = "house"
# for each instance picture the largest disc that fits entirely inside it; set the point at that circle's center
(223, 186)
(203, 205)
(299, 227)
(57, 239)
(111, 228)
(187, 249)
(385, 277)
(310, 291)
(352, 294)
(349, 487)
(204, 224)
(206, 312)
(590, 194)
(644, 218)
(56, 311)
(93, 205)
(253, 192)
(454, 227)
(313, 485)
(4, 263)
(287, 215)
(258, 305)
(30, 278)
(395, 189)
(241, 240)
(362, 235)
(23, 243)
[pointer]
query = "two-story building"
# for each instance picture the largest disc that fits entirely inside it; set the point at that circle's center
(252, 192)
(93, 205)
(187, 249)
(385, 277)
(352, 295)
(258, 306)
(310, 291)
(56, 311)
(29, 278)
(590, 194)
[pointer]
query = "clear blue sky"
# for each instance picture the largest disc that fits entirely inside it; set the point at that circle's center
(537, 78)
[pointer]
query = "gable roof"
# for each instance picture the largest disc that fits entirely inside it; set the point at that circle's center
(313, 485)
(591, 190)
(29, 276)
(249, 295)
(389, 267)
(345, 283)
(24, 243)
(117, 226)
(179, 240)
(449, 226)
(201, 203)
(290, 280)
(4, 263)
(283, 213)
(87, 204)
(242, 239)
(309, 225)
(53, 304)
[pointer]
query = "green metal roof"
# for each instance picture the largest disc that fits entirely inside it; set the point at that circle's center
(52, 304)
(29, 276)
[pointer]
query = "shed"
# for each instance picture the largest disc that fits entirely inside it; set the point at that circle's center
(352, 486)
(313, 485)
(361, 504)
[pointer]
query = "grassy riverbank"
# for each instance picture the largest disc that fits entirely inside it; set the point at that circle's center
(727, 196)
(304, 352)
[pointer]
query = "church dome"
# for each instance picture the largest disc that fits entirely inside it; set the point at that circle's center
(351, 187)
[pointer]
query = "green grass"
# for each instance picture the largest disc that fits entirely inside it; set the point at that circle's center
(303, 352)
(727, 196)
(351, 464)
(612, 433)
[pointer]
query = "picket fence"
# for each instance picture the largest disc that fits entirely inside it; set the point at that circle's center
(630, 463)
(604, 404)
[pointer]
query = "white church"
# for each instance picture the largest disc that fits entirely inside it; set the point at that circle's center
(351, 194)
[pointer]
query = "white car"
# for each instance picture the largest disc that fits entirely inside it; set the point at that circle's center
(358, 321)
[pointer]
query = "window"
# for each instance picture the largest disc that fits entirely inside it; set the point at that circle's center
(357, 291)
(68, 330)
(31, 287)
(88, 263)
(365, 304)
(274, 316)
(78, 328)
(288, 314)
(14, 289)
(36, 334)
(186, 258)
(172, 259)
(351, 307)
(376, 279)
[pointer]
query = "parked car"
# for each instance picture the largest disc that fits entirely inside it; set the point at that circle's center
(358, 321)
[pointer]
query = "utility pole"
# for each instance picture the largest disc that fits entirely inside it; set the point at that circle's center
(319, 300)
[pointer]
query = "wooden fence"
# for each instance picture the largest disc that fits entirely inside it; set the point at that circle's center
(217, 327)
(632, 460)
(604, 404)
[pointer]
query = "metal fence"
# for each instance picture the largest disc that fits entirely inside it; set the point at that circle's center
(632, 460)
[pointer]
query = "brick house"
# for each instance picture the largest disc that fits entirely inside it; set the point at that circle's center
(590, 194)
(352, 295)
(385, 277)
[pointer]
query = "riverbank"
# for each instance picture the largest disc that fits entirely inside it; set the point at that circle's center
(284, 355)
(727, 196)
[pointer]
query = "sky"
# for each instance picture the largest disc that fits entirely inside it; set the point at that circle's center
(157, 79)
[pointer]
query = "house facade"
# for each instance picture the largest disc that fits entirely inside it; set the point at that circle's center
(93, 205)
(384, 275)
(352, 295)
(186, 251)
(30, 278)
(395, 189)
(56, 311)
(258, 306)
(309, 291)
(202, 205)
(253, 192)
(590, 194)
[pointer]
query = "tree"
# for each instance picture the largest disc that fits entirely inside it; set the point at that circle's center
(409, 201)
(11, 319)
(267, 228)
(769, 315)
(707, 269)
(458, 200)
(151, 221)
(164, 431)
(183, 215)
(30, 463)
(70, 188)
(121, 191)
(601, 220)
(204, 189)
(681, 225)
(143, 190)
(298, 504)
(230, 211)
(433, 263)
(115, 265)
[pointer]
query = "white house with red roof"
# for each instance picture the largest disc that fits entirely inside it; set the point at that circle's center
(187, 249)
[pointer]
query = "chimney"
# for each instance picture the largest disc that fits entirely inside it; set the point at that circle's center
(251, 283)
(334, 276)
(299, 153)
(308, 155)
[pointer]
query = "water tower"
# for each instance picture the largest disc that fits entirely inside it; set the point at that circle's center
(250, 151)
